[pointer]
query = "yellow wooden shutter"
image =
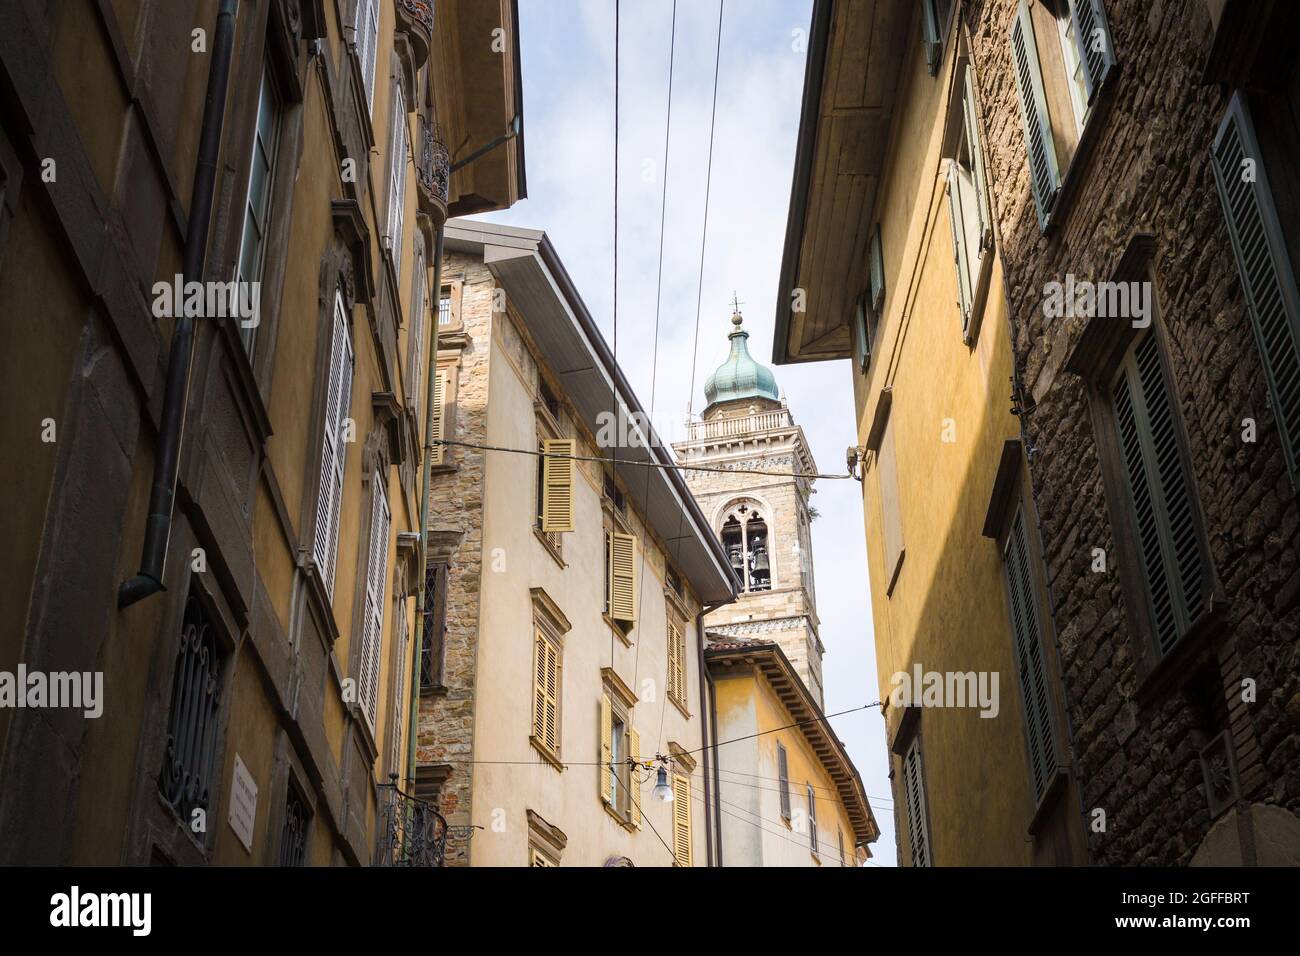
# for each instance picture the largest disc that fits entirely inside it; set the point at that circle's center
(676, 663)
(634, 740)
(606, 747)
(435, 425)
(682, 819)
(551, 724)
(622, 577)
(539, 688)
(557, 484)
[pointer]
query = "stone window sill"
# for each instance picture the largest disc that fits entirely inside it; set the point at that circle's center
(551, 549)
(552, 758)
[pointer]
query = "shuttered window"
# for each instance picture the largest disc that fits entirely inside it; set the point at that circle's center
(537, 858)
(960, 195)
(975, 158)
(677, 662)
(812, 818)
(1096, 50)
(438, 421)
(557, 484)
(257, 202)
(891, 509)
(930, 37)
(783, 778)
(605, 772)
(918, 833)
(634, 786)
(376, 580)
(1267, 277)
(682, 819)
(622, 577)
(416, 340)
(1030, 666)
(876, 261)
(367, 29)
(338, 402)
(397, 180)
(861, 338)
(1160, 493)
(1044, 177)
(968, 209)
(546, 693)
(396, 737)
(839, 845)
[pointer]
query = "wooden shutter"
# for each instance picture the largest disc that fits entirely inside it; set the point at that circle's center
(971, 118)
(682, 819)
(812, 818)
(397, 179)
(604, 771)
(960, 254)
(537, 858)
(890, 507)
(861, 338)
(1267, 277)
(930, 36)
(918, 833)
(557, 484)
(634, 743)
(338, 400)
(676, 662)
(1159, 493)
(367, 29)
(437, 424)
(783, 776)
(877, 262)
(1030, 667)
(839, 844)
(416, 341)
(376, 578)
(1044, 177)
(1092, 37)
(622, 577)
(546, 693)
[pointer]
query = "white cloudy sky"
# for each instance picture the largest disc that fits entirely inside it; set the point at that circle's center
(568, 65)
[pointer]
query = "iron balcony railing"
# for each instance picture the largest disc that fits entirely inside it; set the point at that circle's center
(434, 170)
(412, 833)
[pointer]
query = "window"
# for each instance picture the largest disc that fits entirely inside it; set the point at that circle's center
(367, 45)
(557, 484)
(397, 181)
(293, 833)
(546, 693)
(373, 613)
(1031, 668)
(1063, 56)
(444, 308)
(676, 661)
(745, 539)
(839, 845)
(675, 583)
(918, 833)
(537, 858)
(613, 495)
(1264, 263)
(440, 423)
(864, 332)
(812, 818)
(968, 208)
(549, 627)
(257, 201)
(681, 819)
(415, 341)
(433, 639)
(890, 508)
(876, 264)
(934, 27)
(783, 778)
(186, 780)
(1158, 486)
(620, 578)
(548, 400)
(396, 709)
(620, 744)
(334, 445)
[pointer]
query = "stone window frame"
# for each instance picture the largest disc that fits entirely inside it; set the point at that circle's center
(453, 290)
(448, 366)
(757, 503)
(274, 40)
(545, 840)
(1012, 496)
(908, 738)
(622, 705)
(1095, 358)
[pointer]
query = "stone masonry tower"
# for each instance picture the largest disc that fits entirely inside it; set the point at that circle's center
(761, 519)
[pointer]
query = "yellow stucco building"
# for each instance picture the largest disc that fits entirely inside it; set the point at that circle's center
(890, 163)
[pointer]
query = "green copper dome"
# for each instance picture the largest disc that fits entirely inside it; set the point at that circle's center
(740, 376)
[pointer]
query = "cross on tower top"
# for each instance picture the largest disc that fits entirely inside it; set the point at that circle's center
(735, 303)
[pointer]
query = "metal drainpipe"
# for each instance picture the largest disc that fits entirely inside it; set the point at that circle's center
(708, 711)
(425, 479)
(162, 496)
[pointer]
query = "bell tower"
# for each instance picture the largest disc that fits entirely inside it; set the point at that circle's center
(758, 505)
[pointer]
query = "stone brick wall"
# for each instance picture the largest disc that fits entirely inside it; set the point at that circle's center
(1150, 172)
(446, 724)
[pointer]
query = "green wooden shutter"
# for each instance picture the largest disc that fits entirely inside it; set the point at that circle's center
(918, 832)
(930, 36)
(1030, 667)
(1160, 494)
(1267, 278)
(1092, 37)
(861, 340)
(970, 118)
(1044, 176)
(877, 261)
